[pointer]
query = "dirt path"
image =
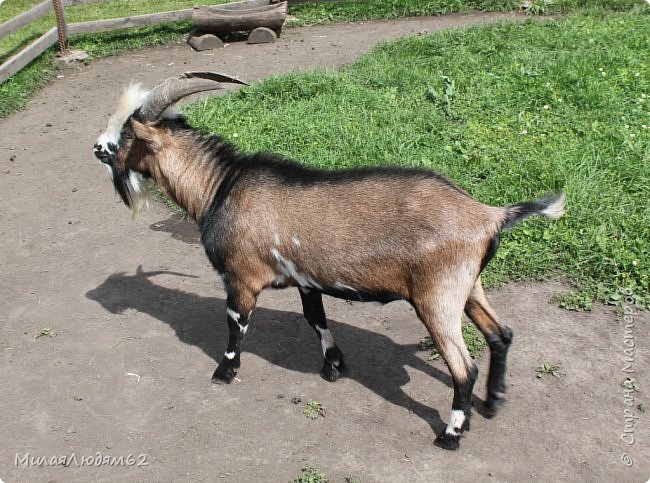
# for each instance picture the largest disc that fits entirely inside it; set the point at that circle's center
(128, 371)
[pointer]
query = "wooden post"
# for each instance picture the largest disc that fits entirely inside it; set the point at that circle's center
(61, 26)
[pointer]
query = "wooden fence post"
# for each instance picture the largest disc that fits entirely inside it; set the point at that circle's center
(61, 26)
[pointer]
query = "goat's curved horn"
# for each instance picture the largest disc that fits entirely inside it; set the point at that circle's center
(175, 88)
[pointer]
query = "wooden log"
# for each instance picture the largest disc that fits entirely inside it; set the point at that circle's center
(29, 53)
(226, 20)
(262, 35)
(204, 42)
(246, 4)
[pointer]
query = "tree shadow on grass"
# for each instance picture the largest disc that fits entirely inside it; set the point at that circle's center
(280, 337)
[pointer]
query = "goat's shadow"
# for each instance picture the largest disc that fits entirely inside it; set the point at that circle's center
(282, 338)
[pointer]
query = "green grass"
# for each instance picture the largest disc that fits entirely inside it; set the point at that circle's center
(535, 107)
(473, 338)
(548, 369)
(314, 410)
(359, 10)
(14, 97)
(311, 474)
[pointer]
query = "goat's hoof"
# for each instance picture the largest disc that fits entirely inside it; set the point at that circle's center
(223, 375)
(330, 372)
(492, 406)
(447, 441)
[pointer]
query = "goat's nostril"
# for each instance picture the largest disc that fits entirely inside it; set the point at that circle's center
(100, 154)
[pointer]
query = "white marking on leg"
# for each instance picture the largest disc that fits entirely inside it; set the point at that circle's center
(304, 290)
(230, 355)
(233, 315)
(326, 339)
(456, 421)
(242, 328)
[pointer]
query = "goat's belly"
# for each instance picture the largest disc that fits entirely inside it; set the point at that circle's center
(339, 290)
(363, 296)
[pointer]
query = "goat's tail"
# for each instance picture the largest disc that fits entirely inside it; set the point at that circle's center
(551, 205)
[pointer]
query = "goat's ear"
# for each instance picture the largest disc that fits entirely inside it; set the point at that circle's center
(148, 134)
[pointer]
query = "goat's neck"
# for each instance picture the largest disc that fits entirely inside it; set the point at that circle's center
(188, 176)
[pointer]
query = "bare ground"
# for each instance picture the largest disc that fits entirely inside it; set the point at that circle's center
(128, 371)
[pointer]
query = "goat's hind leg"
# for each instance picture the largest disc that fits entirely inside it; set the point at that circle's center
(444, 324)
(239, 306)
(312, 306)
(498, 337)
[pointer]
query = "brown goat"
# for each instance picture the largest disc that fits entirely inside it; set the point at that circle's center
(373, 234)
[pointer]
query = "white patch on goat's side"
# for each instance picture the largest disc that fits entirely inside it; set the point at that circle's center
(131, 99)
(556, 209)
(456, 421)
(229, 355)
(342, 286)
(288, 268)
(276, 238)
(232, 314)
(326, 339)
(295, 241)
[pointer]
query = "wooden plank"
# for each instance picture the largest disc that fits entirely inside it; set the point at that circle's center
(19, 21)
(127, 22)
(79, 2)
(29, 53)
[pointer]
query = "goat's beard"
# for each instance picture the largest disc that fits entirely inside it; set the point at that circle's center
(133, 188)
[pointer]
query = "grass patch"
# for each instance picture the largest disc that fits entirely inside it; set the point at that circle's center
(536, 107)
(360, 10)
(548, 369)
(311, 474)
(97, 45)
(473, 338)
(314, 410)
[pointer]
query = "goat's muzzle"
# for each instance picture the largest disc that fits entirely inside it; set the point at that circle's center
(101, 154)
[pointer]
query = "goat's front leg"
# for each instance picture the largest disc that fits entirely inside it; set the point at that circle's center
(312, 307)
(239, 307)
